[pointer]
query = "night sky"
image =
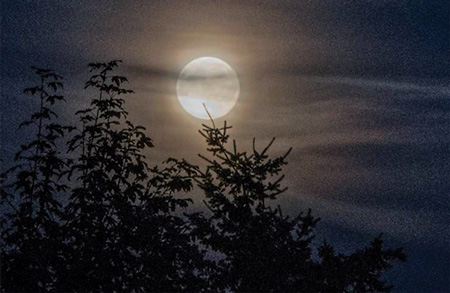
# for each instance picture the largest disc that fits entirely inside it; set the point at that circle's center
(359, 89)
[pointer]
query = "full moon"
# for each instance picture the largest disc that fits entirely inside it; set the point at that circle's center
(211, 82)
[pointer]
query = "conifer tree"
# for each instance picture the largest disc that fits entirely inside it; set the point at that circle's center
(258, 249)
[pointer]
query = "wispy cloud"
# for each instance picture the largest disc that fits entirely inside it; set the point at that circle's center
(379, 84)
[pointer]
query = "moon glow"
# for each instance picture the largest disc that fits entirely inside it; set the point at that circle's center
(209, 81)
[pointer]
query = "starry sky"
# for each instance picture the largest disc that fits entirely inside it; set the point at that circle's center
(359, 89)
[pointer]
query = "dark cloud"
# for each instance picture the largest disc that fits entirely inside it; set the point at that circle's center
(149, 72)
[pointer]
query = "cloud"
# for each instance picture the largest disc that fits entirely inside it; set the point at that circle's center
(383, 85)
(149, 72)
(397, 223)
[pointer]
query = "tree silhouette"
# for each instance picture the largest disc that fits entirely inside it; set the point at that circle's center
(95, 209)
(105, 220)
(121, 229)
(31, 233)
(259, 248)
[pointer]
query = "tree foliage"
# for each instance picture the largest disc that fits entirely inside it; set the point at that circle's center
(101, 218)
(31, 234)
